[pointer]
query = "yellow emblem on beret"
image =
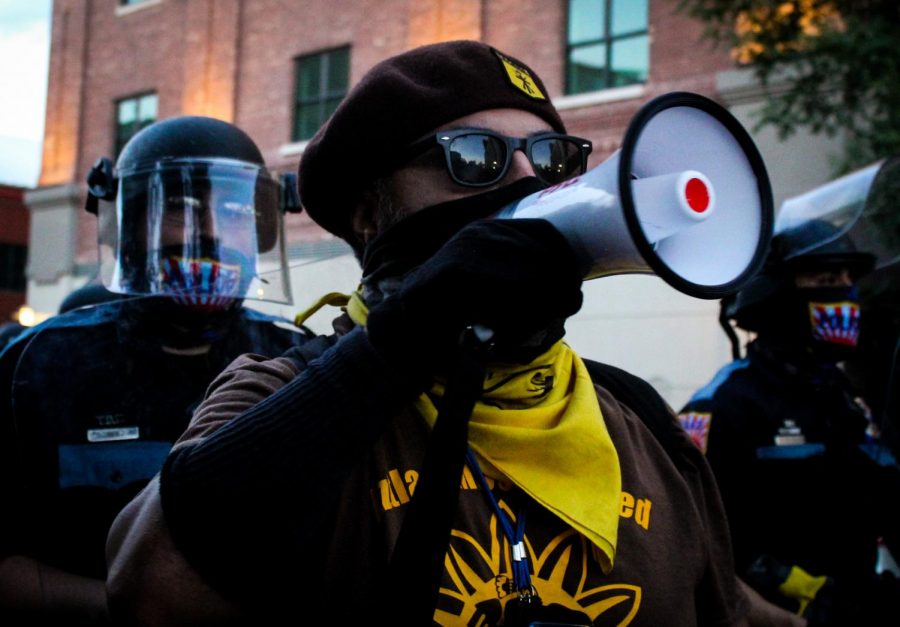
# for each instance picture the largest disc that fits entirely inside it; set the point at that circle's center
(520, 78)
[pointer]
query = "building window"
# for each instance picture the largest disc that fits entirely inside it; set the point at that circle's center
(127, 7)
(133, 114)
(321, 82)
(607, 44)
(12, 267)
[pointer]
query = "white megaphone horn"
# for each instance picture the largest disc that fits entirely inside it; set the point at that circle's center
(686, 197)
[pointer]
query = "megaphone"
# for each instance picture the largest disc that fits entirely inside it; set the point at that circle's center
(687, 197)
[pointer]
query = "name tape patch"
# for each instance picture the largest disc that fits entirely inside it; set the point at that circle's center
(113, 435)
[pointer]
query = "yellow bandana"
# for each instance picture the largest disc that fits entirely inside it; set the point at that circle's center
(540, 425)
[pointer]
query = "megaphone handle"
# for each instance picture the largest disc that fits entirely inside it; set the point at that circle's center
(417, 562)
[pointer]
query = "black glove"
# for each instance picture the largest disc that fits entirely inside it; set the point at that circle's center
(518, 277)
(836, 603)
(874, 602)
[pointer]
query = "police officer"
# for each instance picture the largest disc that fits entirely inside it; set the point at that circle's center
(791, 441)
(189, 225)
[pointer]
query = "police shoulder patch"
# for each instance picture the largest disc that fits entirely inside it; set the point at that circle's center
(697, 426)
(520, 78)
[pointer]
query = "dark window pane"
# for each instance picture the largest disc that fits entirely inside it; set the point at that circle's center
(321, 83)
(308, 120)
(338, 70)
(308, 79)
(586, 20)
(21, 256)
(12, 267)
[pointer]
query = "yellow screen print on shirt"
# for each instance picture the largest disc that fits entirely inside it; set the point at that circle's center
(540, 425)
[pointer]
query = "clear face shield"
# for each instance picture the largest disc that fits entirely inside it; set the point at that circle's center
(852, 223)
(206, 232)
(858, 211)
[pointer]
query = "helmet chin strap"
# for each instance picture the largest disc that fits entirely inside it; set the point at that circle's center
(725, 323)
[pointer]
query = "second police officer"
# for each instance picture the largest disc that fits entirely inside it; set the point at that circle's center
(190, 224)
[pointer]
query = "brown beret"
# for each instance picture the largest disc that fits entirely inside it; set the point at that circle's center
(397, 102)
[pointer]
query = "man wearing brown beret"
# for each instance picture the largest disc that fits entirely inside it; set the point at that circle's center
(555, 490)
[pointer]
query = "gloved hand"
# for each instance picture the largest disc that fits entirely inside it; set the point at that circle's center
(826, 601)
(874, 602)
(518, 277)
(786, 585)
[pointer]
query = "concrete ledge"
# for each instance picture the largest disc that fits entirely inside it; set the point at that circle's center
(604, 96)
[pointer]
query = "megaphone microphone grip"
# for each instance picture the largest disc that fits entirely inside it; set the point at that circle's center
(669, 203)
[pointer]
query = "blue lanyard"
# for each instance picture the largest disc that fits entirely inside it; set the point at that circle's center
(521, 574)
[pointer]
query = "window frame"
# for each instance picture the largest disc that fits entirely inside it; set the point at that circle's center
(118, 141)
(13, 261)
(127, 7)
(608, 39)
(324, 96)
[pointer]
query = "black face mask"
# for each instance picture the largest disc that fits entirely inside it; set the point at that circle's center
(824, 321)
(412, 241)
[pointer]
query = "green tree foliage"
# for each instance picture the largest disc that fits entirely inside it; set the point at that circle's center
(841, 60)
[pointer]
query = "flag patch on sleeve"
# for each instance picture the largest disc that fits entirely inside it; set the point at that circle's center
(697, 426)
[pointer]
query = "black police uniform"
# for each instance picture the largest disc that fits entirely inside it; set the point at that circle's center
(802, 482)
(91, 403)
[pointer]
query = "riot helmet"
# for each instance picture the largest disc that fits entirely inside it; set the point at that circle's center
(838, 227)
(191, 212)
(762, 306)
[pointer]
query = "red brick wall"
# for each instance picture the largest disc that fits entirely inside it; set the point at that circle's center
(14, 220)
(234, 59)
(14, 217)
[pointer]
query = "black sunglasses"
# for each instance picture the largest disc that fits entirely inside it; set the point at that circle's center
(479, 157)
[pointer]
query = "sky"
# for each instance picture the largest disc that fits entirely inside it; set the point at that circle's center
(24, 58)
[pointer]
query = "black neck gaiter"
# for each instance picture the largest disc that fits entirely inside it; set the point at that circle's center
(160, 321)
(411, 242)
(405, 246)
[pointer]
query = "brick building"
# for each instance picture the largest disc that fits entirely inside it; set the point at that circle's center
(13, 251)
(276, 68)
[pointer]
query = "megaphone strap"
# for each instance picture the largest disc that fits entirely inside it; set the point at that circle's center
(353, 304)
